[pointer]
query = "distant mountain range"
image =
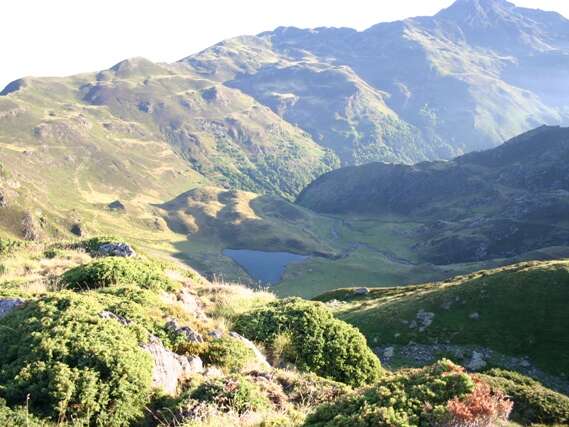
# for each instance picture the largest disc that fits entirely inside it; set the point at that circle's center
(468, 78)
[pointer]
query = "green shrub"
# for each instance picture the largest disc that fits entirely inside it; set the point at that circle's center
(320, 343)
(231, 394)
(18, 417)
(8, 246)
(114, 271)
(533, 403)
(415, 397)
(72, 363)
(227, 353)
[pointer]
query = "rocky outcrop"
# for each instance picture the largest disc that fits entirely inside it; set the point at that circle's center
(117, 249)
(170, 368)
(188, 333)
(110, 315)
(9, 304)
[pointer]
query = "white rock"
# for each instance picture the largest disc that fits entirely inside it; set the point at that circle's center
(170, 368)
(477, 362)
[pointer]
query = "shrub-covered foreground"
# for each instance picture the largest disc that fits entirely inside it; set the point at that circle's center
(316, 341)
(113, 271)
(533, 403)
(65, 362)
(439, 395)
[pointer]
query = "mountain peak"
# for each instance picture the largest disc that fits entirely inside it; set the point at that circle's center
(472, 9)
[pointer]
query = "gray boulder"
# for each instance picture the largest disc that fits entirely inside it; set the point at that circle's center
(117, 249)
(170, 368)
(361, 291)
(188, 333)
(110, 315)
(9, 304)
(476, 362)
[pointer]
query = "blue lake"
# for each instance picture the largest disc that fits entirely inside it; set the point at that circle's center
(265, 267)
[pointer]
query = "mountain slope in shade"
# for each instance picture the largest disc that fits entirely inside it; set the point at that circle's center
(439, 86)
(493, 204)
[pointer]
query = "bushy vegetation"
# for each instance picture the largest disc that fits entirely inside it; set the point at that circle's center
(442, 395)
(234, 393)
(319, 343)
(114, 271)
(67, 363)
(7, 246)
(533, 403)
(228, 353)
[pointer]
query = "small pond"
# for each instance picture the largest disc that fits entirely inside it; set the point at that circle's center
(265, 267)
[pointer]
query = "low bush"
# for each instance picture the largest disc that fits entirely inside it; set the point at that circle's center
(228, 353)
(68, 363)
(8, 246)
(319, 343)
(114, 271)
(234, 393)
(19, 417)
(533, 403)
(442, 395)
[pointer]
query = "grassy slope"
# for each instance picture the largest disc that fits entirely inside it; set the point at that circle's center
(521, 312)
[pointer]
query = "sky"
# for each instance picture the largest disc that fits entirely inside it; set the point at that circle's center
(63, 37)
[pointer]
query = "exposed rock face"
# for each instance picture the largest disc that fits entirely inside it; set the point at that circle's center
(361, 291)
(170, 368)
(477, 361)
(260, 359)
(117, 249)
(9, 304)
(188, 333)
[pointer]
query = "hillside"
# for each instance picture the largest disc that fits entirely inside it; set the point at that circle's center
(419, 89)
(513, 317)
(107, 335)
(499, 203)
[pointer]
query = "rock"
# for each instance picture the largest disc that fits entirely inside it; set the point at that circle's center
(424, 319)
(110, 315)
(388, 353)
(476, 362)
(117, 205)
(3, 200)
(260, 359)
(474, 316)
(117, 249)
(361, 291)
(170, 368)
(77, 229)
(9, 304)
(216, 335)
(188, 333)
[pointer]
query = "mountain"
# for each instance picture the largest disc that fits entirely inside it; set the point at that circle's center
(419, 89)
(497, 203)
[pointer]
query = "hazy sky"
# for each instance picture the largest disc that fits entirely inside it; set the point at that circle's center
(61, 37)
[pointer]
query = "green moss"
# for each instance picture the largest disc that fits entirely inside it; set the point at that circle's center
(533, 403)
(234, 393)
(115, 271)
(73, 364)
(321, 344)
(409, 398)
